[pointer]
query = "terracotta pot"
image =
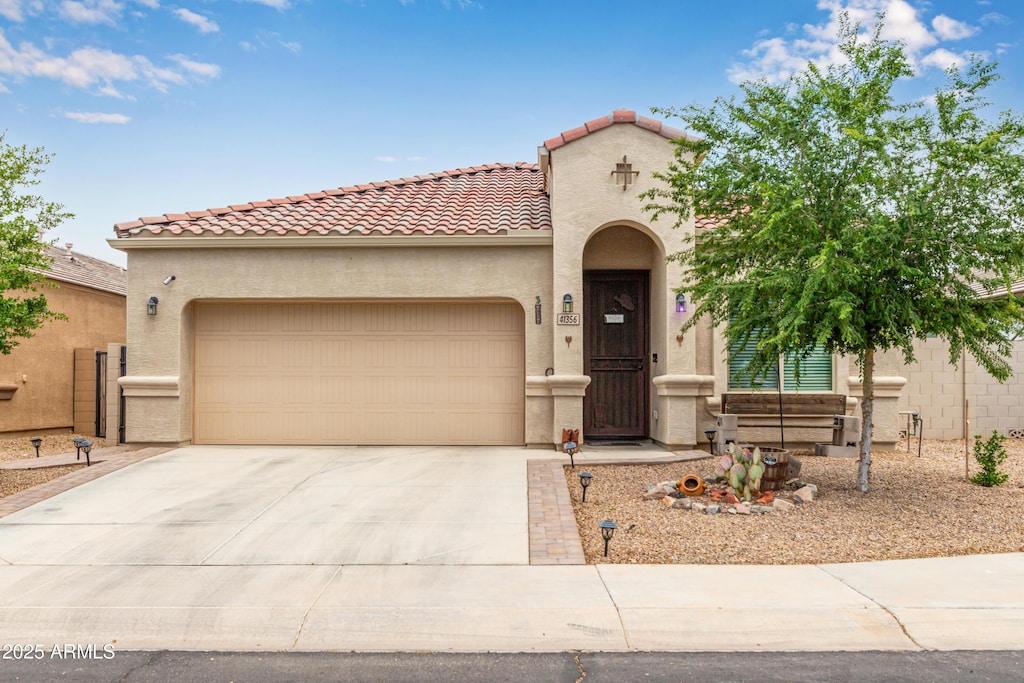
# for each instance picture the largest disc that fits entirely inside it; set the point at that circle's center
(692, 485)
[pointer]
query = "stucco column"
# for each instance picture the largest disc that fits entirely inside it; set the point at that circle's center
(567, 393)
(678, 394)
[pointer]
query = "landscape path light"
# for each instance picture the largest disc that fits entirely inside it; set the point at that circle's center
(87, 447)
(710, 434)
(585, 479)
(36, 441)
(608, 528)
(78, 441)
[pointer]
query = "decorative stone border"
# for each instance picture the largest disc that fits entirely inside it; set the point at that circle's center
(554, 537)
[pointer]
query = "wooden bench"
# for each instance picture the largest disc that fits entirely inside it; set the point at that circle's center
(803, 408)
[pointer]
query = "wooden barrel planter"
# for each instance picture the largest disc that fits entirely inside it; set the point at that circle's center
(776, 464)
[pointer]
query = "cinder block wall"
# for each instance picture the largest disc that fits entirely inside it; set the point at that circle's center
(938, 391)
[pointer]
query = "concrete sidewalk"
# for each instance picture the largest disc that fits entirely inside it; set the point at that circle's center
(341, 549)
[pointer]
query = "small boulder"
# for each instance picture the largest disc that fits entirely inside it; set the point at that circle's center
(760, 509)
(682, 503)
(793, 467)
(767, 497)
(742, 508)
(731, 498)
(782, 505)
(804, 495)
(655, 493)
(698, 507)
(712, 509)
(668, 501)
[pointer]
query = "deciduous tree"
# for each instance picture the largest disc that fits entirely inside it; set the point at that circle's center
(24, 219)
(851, 221)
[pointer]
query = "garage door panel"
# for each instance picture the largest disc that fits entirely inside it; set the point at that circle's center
(359, 373)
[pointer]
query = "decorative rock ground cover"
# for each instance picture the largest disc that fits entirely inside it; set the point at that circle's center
(917, 507)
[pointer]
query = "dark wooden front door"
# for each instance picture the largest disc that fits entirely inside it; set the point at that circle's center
(615, 353)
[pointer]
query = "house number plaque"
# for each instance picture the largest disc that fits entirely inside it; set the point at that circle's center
(568, 318)
(617, 318)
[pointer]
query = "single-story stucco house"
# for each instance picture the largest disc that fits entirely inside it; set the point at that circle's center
(497, 304)
(51, 381)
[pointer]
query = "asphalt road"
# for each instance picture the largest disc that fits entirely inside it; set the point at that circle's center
(557, 667)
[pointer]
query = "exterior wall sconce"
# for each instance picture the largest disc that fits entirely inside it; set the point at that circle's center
(151, 305)
(567, 303)
(680, 303)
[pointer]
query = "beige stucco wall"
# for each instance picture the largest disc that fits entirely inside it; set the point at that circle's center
(937, 390)
(42, 367)
(587, 199)
(159, 382)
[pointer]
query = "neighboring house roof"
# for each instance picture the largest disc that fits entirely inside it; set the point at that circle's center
(618, 116)
(79, 269)
(1016, 288)
(492, 199)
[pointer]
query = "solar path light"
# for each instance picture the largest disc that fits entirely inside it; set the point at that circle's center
(87, 447)
(585, 479)
(710, 435)
(78, 441)
(608, 528)
(36, 441)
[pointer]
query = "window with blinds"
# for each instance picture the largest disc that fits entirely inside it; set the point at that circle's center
(815, 370)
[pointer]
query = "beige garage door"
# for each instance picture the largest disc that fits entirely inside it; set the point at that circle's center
(358, 373)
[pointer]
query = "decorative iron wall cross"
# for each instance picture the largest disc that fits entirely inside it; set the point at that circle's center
(625, 172)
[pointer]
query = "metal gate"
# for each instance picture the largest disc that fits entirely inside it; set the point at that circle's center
(122, 371)
(101, 394)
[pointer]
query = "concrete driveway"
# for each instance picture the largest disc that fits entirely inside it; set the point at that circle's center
(226, 505)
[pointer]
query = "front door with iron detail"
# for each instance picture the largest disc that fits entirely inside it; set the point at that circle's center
(615, 353)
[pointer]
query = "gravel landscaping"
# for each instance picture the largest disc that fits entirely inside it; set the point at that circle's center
(917, 507)
(13, 481)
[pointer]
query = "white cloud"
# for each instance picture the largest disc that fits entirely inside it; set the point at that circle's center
(994, 18)
(247, 46)
(11, 9)
(385, 159)
(943, 58)
(291, 45)
(415, 158)
(109, 90)
(91, 67)
(276, 4)
(96, 117)
(91, 11)
(951, 29)
(197, 68)
(151, 4)
(202, 23)
(777, 58)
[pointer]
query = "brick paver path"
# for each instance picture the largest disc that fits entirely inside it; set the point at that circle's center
(111, 463)
(554, 537)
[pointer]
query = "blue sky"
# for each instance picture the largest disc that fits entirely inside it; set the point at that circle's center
(153, 106)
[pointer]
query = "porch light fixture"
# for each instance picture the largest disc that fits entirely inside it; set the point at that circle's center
(151, 305)
(680, 303)
(608, 528)
(87, 447)
(567, 303)
(585, 479)
(709, 434)
(78, 441)
(36, 441)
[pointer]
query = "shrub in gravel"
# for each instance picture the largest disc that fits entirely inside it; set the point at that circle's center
(990, 454)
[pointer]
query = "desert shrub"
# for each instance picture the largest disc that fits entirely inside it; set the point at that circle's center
(990, 454)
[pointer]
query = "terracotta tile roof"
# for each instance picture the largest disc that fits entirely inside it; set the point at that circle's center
(705, 222)
(618, 116)
(491, 199)
(79, 269)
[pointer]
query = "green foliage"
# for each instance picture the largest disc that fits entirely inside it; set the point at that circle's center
(24, 218)
(742, 470)
(850, 221)
(990, 454)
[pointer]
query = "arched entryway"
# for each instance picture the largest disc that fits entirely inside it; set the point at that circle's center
(618, 263)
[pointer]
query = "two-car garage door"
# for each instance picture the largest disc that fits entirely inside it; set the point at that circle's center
(358, 373)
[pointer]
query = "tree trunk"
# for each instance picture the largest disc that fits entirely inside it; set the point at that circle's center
(867, 368)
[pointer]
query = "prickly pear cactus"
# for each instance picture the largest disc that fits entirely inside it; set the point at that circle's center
(742, 470)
